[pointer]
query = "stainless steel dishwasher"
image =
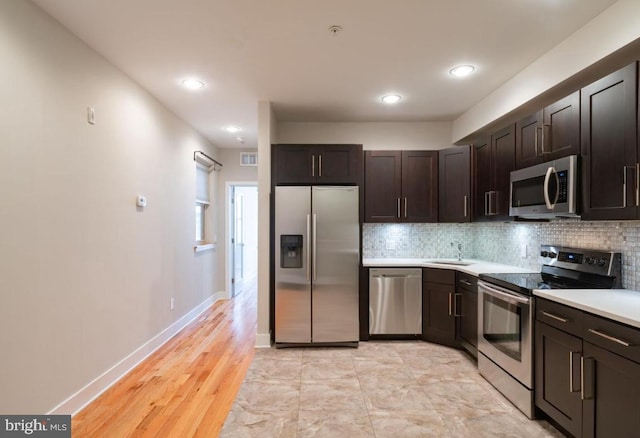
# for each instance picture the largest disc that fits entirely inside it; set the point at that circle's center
(395, 301)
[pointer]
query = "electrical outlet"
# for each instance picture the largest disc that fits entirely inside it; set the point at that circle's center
(523, 251)
(172, 304)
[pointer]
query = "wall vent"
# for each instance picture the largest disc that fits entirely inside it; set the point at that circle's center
(248, 158)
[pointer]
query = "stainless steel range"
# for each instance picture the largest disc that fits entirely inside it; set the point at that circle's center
(506, 312)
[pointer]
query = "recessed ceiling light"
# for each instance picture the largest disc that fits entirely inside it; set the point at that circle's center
(391, 98)
(192, 84)
(232, 129)
(461, 70)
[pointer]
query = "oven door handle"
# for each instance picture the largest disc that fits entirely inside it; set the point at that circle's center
(508, 297)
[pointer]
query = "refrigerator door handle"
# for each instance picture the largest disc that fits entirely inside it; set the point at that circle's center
(308, 270)
(315, 248)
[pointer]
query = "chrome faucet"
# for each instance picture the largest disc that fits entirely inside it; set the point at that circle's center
(459, 247)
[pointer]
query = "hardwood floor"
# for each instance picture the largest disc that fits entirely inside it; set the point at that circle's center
(188, 386)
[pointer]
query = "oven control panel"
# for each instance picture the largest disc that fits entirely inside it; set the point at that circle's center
(584, 260)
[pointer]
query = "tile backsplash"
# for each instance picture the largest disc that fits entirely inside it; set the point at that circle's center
(515, 244)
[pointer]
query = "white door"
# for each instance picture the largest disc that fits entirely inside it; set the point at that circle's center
(244, 236)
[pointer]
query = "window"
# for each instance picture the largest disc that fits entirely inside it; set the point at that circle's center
(205, 166)
(202, 201)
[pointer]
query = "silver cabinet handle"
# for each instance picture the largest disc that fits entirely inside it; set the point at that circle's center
(399, 208)
(552, 316)
(319, 165)
(450, 303)
(313, 165)
(610, 338)
(405, 207)
(637, 184)
(465, 205)
(455, 304)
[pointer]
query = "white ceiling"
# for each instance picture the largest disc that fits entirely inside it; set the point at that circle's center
(282, 51)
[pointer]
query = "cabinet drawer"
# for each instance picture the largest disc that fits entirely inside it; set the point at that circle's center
(613, 336)
(466, 281)
(441, 276)
(560, 316)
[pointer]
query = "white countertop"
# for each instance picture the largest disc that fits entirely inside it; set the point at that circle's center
(620, 305)
(476, 267)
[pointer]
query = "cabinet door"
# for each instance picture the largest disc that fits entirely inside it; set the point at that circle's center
(419, 186)
(438, 318)
(557, 376)
(609, 148)
(454, 200)
(338, 164)
(295, 164)
(383, 186)
(482, 179)
(502, 163)
(612, 394)
(561, 135)
(529, 141)
(469, 316)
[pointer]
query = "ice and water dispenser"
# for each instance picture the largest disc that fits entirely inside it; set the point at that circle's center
(291, 251)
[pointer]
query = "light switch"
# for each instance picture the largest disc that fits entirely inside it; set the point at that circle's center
(91, 115)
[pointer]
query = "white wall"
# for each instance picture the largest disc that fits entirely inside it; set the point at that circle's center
(266, 136)
(613, 29)
(86, 276)
(372, 135)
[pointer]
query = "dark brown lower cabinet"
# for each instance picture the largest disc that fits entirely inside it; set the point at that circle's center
(557, 353)
(439, 306)
(589, 390)
(467, 288)
(612, 394)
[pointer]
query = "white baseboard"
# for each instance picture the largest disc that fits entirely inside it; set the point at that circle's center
(100, 384)
(263, 340)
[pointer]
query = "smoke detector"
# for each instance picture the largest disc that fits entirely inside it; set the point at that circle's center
(335, 29)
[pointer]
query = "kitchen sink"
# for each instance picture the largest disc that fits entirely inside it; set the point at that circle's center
(450, 262)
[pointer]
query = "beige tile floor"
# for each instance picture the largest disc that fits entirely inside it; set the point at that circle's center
(380, 389)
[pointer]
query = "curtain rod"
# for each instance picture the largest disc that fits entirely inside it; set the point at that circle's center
(216, 162)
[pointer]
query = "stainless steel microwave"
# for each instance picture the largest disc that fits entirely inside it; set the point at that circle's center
(546, 190)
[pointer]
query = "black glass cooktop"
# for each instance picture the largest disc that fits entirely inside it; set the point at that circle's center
(526, 283)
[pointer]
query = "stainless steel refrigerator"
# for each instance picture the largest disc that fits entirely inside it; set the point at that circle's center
(317, 241)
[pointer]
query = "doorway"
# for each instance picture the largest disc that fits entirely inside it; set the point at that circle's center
(243, 236)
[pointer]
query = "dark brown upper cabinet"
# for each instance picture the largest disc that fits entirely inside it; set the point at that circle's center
(454, 200)
(317, 164)
(610, 168)
(493, 163)
(401, 186)
(548, 134)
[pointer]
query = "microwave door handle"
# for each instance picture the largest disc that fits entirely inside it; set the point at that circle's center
(545, 188)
